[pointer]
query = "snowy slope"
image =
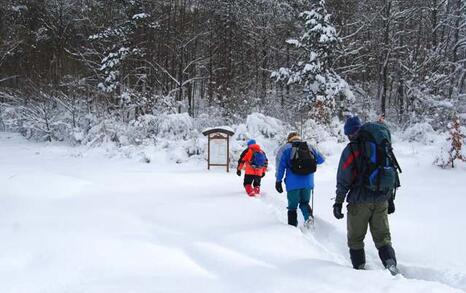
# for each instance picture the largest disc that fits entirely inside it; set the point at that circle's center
(75, 221)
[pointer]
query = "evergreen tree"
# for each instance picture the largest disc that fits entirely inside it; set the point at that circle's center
(324, 90)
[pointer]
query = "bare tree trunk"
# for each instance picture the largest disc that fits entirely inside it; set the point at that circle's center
(264, 73)
(383, 80)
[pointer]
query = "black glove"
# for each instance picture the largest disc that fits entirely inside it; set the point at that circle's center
(238, 172)
(278, 186)
(263, 174)
(391, 206)
(337, 211)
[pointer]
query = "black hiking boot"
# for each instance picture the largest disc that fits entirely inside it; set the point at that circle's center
(358, 258)
(391, 267)
(388, 258)
(293, 218)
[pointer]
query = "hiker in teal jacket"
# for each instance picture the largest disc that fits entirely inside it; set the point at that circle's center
(366, 207)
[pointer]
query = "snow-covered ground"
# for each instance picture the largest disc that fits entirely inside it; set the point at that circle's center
(76, 221)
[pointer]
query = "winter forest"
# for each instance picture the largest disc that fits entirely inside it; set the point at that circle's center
(66, 66)
(104, 184)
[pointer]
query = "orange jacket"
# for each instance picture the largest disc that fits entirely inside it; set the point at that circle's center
(245, 161)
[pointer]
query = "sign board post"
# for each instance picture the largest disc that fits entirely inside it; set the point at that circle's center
(218, 149)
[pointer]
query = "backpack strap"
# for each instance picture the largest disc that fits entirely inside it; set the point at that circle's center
(354, 156)
(294, 149)
(392, 158)
(357, 180)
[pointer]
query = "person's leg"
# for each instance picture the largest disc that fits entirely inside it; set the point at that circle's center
(292, 218)
(357, 222)
(379, 226)
(293, 201)
(387, 256)
(380, 231)
(304, 197)
(248, 179)
(358, 258)
(257, 184)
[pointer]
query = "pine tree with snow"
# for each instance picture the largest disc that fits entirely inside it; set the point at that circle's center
(119, 48)
(324, 89)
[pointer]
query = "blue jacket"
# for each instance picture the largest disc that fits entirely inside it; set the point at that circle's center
(348, 179)
(294, 181)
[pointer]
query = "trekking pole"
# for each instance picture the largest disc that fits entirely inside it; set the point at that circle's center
(312, 202)
(394, 160)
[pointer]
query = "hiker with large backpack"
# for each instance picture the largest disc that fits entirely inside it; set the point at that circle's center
(254, 160)
(297, 161)
(367, 177)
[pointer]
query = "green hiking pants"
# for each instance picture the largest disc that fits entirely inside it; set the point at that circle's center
(360, 215)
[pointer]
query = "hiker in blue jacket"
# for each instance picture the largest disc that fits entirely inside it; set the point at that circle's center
(298, 186)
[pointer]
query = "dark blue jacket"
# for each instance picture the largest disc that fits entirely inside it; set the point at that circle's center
(294, 181)
(349, 181)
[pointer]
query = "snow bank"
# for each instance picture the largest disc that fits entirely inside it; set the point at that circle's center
(271, 133)
(165, 137)
(9, 119)
(327, 139)
(420, 132)
(268, 132)
(174, 137)
(179, 136)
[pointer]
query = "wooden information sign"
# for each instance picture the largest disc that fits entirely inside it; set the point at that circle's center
(218, 150)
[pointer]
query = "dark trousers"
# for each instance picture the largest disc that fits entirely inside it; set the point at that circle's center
(252, 180)
(374, 215)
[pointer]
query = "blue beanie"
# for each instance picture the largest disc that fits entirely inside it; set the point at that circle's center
(251, 142)
(352, 125)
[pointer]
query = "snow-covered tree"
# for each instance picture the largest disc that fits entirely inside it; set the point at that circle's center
(120, 45)
(454, 148)
(324, 90)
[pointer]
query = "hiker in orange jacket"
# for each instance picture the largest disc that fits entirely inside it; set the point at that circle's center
(255, 162)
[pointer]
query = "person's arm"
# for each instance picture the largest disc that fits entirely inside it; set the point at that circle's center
(241, 159)
(266, 164)
(345, 173)
(278, 158)
(283, 164)
(320, 158)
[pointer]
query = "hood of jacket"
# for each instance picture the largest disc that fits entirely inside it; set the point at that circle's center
(255, 147)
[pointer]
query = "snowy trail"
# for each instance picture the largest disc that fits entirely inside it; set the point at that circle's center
(86, 223)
